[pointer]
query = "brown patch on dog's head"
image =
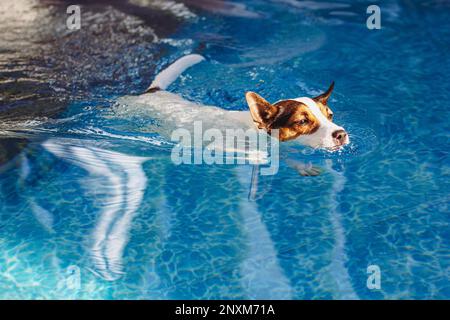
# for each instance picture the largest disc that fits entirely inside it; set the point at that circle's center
(295, 119)
(290, 117)
(322, 102)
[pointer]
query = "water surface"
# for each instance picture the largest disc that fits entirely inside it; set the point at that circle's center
(91, 206)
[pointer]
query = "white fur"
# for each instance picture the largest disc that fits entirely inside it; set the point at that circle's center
(322, 138)
(172, 111)
(172, 72)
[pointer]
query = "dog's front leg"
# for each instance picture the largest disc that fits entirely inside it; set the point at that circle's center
(304, 169)
(259, 187)
(253, 190)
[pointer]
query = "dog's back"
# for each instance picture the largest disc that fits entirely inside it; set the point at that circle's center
(170, 111)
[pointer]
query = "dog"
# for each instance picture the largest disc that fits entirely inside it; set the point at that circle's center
(308, 121)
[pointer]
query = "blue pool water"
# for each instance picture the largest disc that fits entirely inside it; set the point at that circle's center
(92, 207)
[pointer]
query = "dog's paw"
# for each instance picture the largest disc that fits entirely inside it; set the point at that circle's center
(309, 171)
(305, 169)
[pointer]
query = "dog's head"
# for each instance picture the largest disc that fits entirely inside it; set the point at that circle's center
(309, 121)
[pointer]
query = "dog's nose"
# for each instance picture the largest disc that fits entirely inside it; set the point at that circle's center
(339, 137)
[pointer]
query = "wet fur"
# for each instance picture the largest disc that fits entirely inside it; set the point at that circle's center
(286, 116)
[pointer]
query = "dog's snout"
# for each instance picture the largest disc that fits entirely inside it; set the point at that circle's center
(339, 136)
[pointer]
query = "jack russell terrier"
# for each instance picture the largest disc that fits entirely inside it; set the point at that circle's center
(308, 121)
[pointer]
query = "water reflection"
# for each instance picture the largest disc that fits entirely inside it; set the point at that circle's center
(119, 182)
(262, 276)
(262, 249)
(338, 267)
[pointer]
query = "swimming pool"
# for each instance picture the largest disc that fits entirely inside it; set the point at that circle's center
(92, 207)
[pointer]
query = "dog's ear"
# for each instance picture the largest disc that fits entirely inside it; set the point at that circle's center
(323, 98)
(263, 113)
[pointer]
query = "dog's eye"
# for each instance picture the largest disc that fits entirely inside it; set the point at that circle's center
(330, 116)
(303, 122)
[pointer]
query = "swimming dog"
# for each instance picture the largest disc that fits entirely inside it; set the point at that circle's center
(308, 121)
